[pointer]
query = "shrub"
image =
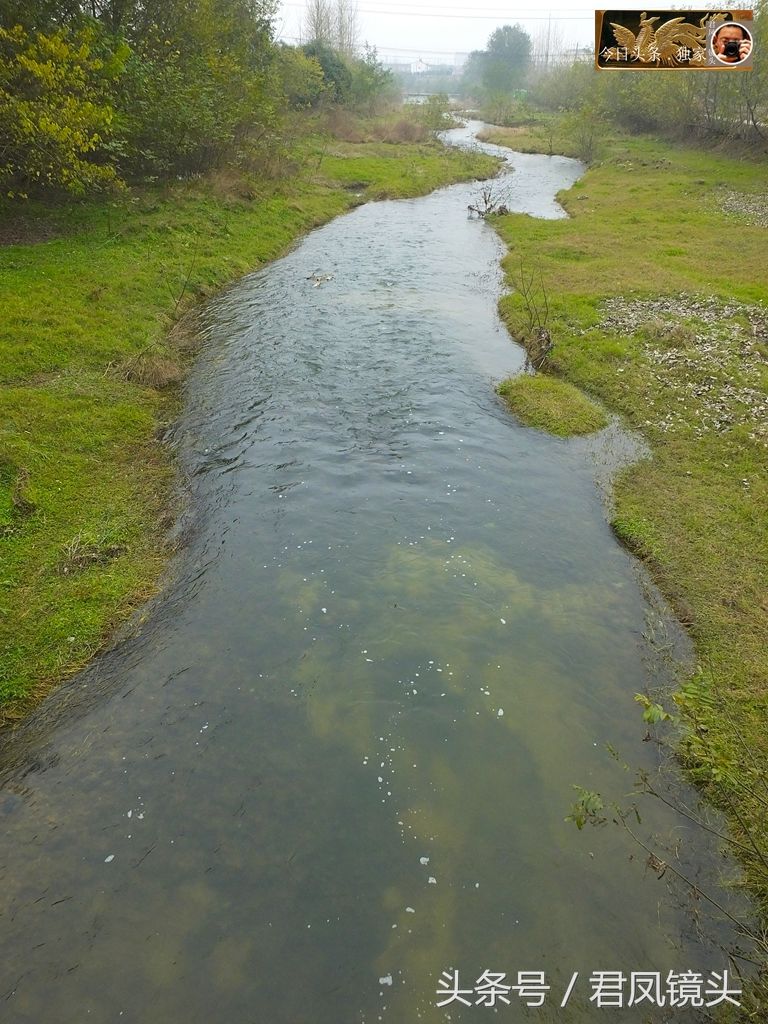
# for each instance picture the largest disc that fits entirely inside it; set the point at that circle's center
(301, 77)
(55, 113)
(184, 115)
(434, 112)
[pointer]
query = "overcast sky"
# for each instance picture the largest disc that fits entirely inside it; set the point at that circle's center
(442, 28)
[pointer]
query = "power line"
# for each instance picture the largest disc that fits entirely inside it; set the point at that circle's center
(466, 17)
(396, 50)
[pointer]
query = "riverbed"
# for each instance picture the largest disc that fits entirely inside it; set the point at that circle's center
(330, 774)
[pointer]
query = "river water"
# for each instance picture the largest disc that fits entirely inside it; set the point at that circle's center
(337, 759)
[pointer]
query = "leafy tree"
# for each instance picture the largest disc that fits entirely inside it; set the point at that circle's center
(183, 115)
(434, 112)
(507, 60)
(336, 72)
(301, 77)
(371, 82)
(55, 110)
(202, 77)
(43, 15)
(147, 23)
(472, 77)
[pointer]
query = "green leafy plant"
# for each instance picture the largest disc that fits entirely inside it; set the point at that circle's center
(587, 809)
(652, 712)
(56, 113)
(434, 112)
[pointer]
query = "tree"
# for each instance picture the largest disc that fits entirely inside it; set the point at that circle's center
(336, 72)
(333, 23)
(318, 22)
(371, 82)
(347, 28)
(472, 76)
(55, 110)
(202, 79)
(507, 59)
(548, 45)
(301, 77)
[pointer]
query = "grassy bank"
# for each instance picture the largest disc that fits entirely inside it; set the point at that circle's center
(551, 404)
(659, 308)
(541, 133)
(92, 346)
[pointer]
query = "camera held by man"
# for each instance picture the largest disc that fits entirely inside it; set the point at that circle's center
(731, 44)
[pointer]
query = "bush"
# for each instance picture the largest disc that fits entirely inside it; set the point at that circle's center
(183, 115)
(336, 72)
(372, 86)
(434, 113)
(55, 112)
(301, 77)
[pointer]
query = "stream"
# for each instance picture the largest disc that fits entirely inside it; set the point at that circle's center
(337, 759)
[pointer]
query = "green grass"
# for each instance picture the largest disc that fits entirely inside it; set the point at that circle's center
(92, 340)
(689, 374)
(541, 133)
(551, 404)
(411, 169)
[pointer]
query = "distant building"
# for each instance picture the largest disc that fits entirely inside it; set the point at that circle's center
(401, 66)
(397, 67)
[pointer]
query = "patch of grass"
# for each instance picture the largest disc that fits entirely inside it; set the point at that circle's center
(550, 404)
(93, 339)
(539, 133)
(386, 170)
(664, 322)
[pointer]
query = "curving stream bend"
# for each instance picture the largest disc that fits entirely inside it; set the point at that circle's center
(337, 759)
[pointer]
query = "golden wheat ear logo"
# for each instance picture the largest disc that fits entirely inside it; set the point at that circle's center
(676, 43)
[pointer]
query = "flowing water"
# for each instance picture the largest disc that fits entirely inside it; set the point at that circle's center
(337, 759)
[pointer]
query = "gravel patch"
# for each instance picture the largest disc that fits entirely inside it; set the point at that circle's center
(745, 205)
(707, 358)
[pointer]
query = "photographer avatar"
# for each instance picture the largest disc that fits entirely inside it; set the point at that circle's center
(732, 43)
